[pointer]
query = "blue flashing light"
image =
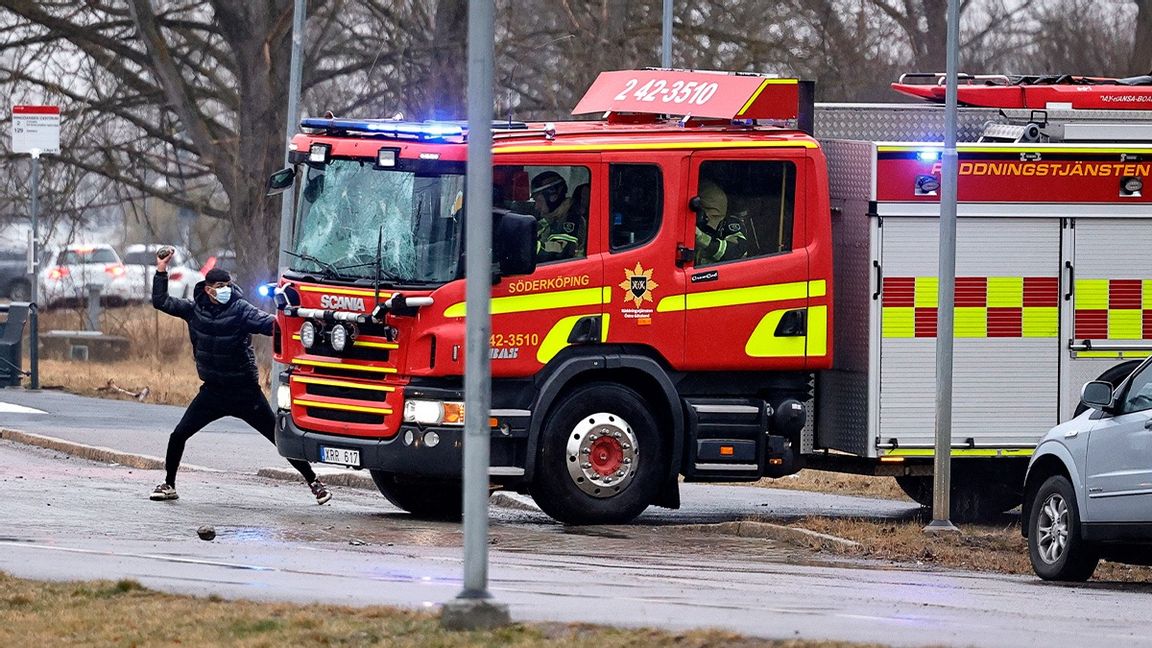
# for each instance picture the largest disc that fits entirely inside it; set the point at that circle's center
(929, 155)
(266, 290)
(408, 130)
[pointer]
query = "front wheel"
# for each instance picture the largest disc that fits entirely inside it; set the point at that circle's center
(601, 458)
(1055, 546)
(430, 499)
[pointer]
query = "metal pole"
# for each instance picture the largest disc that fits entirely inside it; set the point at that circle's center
(942, 469)
(473, 607)
(293, 118)
(666, 40)
(34, 277)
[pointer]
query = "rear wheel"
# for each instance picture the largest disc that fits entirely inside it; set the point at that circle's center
(601, 457)
(1055, 546)
(431, 499)
(971, 500)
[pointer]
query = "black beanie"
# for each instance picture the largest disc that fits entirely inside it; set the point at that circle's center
(217, 275)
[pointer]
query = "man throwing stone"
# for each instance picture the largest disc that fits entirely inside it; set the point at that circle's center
(220, 324)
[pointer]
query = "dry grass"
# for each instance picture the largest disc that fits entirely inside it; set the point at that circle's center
(844, 484)
(125, 614)
(161, 357)
(998, 549)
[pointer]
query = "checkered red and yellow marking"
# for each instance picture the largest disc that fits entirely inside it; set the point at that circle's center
(1113, 309)
(986, 307)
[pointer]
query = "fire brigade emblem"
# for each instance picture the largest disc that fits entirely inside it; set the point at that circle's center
(638, 285)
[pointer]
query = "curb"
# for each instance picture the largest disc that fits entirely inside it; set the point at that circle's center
(330, 477)
(792, 535)
(94, 453)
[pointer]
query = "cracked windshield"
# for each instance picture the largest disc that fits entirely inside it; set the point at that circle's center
(348, 206)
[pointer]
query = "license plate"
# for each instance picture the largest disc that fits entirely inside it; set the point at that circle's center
(342, 456)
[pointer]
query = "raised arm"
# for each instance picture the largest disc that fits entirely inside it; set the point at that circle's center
(161, 300)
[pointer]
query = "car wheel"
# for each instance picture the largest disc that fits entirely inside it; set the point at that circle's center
(429, 499)
(1057, 550)
(601, 457)
(19, 290)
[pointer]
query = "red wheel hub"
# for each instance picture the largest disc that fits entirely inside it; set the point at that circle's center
(606, 455)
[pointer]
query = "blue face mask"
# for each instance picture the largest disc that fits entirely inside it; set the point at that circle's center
(224, 294)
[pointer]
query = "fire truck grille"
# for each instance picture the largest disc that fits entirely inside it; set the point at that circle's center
(346, 392)
(344, 416)
(332, 372)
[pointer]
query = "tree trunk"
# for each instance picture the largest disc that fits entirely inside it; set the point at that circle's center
(1141, 62)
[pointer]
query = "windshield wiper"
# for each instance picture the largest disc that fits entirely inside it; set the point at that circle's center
(387, 274)
(331, 271)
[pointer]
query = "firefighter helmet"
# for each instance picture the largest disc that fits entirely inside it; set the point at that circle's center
(552, 186)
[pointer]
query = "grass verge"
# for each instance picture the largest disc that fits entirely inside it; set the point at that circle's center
(124, 613)
(991, 548)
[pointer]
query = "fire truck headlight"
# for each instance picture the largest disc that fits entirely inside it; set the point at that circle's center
(318, 153)
(426, 412)
(339, 337)
(1131, 187)
(308, 334)
(284, 397)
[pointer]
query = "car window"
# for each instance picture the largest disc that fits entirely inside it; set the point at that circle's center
(635, 202)
(94, 255)
(1138, 396)
(558, 196)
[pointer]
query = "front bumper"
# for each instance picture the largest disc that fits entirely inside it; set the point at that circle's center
(446, 459)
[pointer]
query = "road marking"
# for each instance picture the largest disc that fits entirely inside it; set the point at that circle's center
(10, 408)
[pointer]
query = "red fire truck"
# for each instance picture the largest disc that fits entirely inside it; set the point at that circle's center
(693, 285)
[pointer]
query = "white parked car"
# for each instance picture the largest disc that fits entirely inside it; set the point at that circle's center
(183, 270)
(68, 271)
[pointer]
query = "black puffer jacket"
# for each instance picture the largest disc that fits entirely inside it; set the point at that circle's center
(221, 333)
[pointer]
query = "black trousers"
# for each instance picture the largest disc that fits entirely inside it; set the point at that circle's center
(214, 402)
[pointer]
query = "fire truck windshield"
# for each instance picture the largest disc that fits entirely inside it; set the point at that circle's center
(347, 206)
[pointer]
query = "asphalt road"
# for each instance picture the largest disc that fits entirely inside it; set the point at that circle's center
(74, 519)
(84, 520)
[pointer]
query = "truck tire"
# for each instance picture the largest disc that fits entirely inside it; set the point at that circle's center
(970, 500)
(601, 457)
(18, 290)
(429, 499)
(1057, 550)
(1115, 375)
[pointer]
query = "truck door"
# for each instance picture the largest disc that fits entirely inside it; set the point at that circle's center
(1107, 298)
(747, 294)
(535, 317)
(640, 263)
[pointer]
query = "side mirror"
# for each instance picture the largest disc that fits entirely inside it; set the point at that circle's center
(281, 181)
(1097, 395)
(514, 242)
(696, 206)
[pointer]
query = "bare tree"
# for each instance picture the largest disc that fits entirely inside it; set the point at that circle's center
(1141, 62)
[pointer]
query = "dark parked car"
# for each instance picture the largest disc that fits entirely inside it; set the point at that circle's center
(14, 275)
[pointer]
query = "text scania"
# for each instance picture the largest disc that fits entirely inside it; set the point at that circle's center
(341, 302)
(552, 283)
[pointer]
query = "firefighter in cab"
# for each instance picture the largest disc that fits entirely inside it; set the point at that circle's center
(559, 230)
(719, 237)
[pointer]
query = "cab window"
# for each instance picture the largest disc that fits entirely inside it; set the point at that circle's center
(635, 203)
(1138, 396)
(558, 196)
(746, 210)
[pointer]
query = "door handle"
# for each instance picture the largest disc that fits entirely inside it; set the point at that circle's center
(1148, 424)
(1071, 279)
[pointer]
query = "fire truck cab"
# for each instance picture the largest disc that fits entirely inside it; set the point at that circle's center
(691, 285)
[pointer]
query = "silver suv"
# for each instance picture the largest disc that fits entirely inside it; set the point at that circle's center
(1088, 492)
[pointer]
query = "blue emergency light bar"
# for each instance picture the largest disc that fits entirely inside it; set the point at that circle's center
(425, 130)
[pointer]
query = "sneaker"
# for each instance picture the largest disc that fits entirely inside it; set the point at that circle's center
(320, 491)
(164, 492)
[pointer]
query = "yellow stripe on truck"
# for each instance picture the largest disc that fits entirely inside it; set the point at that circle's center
(743, 296)
(961, 452)
(764, 343)
(540, 301)
(557, 338)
